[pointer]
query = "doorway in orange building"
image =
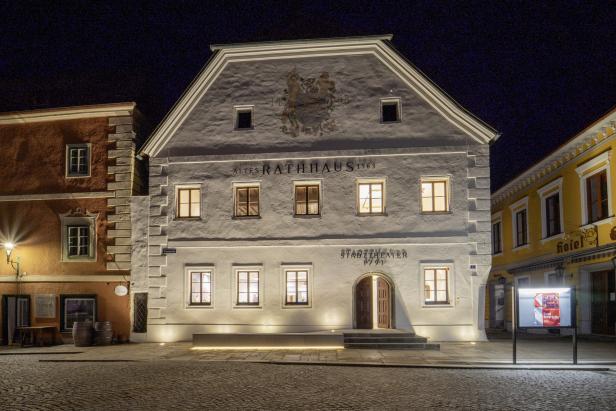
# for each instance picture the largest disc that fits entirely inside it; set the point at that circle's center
(603, 302)
(373, 301)
(15, 313)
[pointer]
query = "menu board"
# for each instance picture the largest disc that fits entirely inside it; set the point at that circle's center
(544, 308)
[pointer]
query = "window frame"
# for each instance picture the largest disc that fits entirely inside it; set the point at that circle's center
(306, 183)
(69, 147)
(597, 164)
(522, 277)
(64, 297)
(187, 186)
(449, 266)
(435, 179)
(243, 109)
(69, 220)
(284, 268)
(515, 208)
(370, 181)
(246, 185)
(546, 192)
(391, 101)
(497, 218)
(189, 270)
(236, 289)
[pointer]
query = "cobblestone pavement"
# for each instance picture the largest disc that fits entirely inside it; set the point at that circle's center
(26, 383)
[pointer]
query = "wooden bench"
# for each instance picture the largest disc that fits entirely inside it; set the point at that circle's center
(32, 335)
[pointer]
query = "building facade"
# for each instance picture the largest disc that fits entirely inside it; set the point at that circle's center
(310, 186)
(67, 178)
(554, 225)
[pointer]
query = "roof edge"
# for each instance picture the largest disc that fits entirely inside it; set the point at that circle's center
(67, 113)
(384, 37)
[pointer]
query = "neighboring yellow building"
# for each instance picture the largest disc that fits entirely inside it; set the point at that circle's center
(554, 224)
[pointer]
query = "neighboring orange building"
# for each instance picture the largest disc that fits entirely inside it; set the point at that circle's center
(67, 177)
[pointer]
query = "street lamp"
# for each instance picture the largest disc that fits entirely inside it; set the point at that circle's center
(560, 271)
(9, 247)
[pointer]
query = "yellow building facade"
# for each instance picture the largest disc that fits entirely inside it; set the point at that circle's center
(555, 225)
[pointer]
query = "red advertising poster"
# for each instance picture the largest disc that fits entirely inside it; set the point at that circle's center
(551, 310)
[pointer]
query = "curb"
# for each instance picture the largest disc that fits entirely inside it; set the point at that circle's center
(41, 353)
(443, 366)
(86, 360)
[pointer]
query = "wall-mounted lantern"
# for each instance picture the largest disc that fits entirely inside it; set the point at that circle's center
(8, 248)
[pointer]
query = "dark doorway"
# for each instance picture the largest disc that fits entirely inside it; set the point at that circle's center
(603, 304)
(15, 313)
(363, 303)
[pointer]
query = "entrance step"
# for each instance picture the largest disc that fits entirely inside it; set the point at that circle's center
(388, 341)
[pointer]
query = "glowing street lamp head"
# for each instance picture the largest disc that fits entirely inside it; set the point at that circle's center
(9, 248)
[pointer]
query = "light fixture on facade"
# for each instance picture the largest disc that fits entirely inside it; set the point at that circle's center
(8, 248)
(560, 271)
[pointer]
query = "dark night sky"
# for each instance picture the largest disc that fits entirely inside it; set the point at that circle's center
(538, 72)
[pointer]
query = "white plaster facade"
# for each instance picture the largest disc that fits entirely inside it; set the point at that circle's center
(342, 138)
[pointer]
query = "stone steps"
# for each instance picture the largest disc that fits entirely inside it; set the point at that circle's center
(388, 341)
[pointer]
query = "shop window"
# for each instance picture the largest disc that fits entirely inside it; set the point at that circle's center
(78, 160)
(436, 285)
(307, 201)
(370, 197)
(188, 202)
(434, 195)
(75, 308)
(247, 201)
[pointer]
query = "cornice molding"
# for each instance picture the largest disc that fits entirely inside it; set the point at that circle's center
(68, 113)
(56, 196)
(378, 47)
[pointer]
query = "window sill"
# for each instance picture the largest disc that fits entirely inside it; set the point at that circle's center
(554, 237)
(606, 220)
(247, 306)
(294, 306)
(447, 305)
(199, 306)
(371, 214)
(78, 176)
(436, 212)
(79, 260)
(246, 217)
(521, 247)
(187, 219)
(307, 216)
(499, 254)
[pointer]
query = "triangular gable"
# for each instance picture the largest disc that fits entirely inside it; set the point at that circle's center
(378, 46)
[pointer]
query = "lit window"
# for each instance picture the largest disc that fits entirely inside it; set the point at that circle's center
(596, 196)
(243, 118)
(521, 236)
(201, 288)
(436, 285)
(78, 237)
(390, 110)
(307, 199)
(297, 287)
(248, 287)
(497, 246)
(370, 197)
(434, 196)
(77, 160)
(188, 202)
(246, 201)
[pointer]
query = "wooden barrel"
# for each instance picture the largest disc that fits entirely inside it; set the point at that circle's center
(82, 333)
(103, 332)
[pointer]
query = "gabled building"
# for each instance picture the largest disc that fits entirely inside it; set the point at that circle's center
(314, 185)
(554, 225)
(67, 178)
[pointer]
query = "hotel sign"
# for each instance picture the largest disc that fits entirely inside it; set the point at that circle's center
(577, 240)
(305, 167)
(373, 256)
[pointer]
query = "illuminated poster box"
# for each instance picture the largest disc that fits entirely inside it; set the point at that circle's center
(545, 308)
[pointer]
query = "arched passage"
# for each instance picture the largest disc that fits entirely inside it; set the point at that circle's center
(373, 301)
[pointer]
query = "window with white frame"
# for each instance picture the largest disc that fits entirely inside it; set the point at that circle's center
(595, 188)
(200, 287)
(436, 285)
(370, 197)
(434, 194)
(307, 198)
(296, 285)
(248, 289)
(390, 110)
(78, 160)
(519, 222)
(188, 202)
(550, 196)
(246, 200)
(78, 236)
(243, 117)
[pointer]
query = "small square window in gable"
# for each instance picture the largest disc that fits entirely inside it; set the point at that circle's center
(390, 111)
(243, 118)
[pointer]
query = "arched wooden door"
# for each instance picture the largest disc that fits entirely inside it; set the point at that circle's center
(363, 303)
(383, 303)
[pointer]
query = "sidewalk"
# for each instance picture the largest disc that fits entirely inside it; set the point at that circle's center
(534, 353)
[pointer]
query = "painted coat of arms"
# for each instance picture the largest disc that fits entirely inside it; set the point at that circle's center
(308, 105)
